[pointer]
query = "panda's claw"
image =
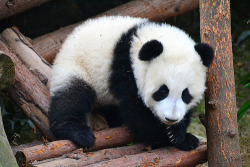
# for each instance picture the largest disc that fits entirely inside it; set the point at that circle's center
(191, 142)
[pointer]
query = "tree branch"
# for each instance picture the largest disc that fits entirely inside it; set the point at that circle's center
(12, 7)
(220, 104)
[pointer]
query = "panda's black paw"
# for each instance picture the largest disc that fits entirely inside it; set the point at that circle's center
(191, 142)
(83, 138)
(78, 133)
(175, 137)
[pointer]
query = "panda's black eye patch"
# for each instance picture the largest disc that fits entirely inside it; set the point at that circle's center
(161, 93)
(186, 97)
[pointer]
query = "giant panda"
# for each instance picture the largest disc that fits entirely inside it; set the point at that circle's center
(154, 72)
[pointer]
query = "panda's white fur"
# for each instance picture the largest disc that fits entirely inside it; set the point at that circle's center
(108, 61)
(179, 66)
(88, 52)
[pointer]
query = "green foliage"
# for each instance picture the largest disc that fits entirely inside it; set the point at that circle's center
(243, 36)
(15, 122)
(130, 144)
(243, 110)
(245, 79)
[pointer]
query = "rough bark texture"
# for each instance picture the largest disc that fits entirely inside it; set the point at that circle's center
(22, 146)
(159, 157)
(27, 83)
(48, 45)
(7, 158)
(79, 158)
(29, 93)
(33, 112)
(12, 7)
(104, 139)
(7, 71)
(221, 116)
(25, 52)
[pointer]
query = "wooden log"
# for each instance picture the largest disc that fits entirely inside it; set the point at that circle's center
(104, 139)
(12, 7)
(25, 52)
(27, 84)
(33, 112)
(7, 71)
(28, 93)
(220, 104)
(22, 146)
(159, 157)
(79, 158)
(48, 45)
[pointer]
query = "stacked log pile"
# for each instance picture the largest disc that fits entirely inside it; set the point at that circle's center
(32, 60)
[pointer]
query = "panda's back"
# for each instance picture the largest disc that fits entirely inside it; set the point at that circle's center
(88, 53)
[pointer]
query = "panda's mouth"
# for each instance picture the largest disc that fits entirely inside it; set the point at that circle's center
(171, 121)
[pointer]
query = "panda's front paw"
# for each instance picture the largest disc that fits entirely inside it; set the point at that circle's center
(175, 137)
(83, 138)
(191, 142)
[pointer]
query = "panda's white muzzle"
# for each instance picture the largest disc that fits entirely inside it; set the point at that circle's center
(170, 111)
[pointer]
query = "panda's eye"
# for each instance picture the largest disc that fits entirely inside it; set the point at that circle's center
(161, 93)
(186, 97)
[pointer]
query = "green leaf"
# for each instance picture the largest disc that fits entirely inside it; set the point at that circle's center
(245, 79)
(243, 36)
(247, 85)
(130, 144)
(243, 110)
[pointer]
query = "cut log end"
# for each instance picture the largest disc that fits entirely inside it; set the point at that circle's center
(7, 71)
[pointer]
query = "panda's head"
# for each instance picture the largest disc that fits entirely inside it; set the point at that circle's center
(170, 70)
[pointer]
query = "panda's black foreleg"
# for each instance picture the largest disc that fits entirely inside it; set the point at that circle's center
(68, 113)
(178, 137)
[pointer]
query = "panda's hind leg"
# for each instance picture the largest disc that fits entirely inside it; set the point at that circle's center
(69, 111)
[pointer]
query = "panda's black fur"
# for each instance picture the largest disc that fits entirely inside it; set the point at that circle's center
(70, 106)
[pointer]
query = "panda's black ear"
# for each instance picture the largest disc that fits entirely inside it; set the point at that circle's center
(150, 50)
(206, 52)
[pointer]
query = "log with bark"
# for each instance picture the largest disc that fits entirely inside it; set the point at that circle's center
(80, 158)
(26, 53)
(160, 157)
(27, 83)
(136, 155)
(22, 146)
(29, 93)
(104, 139)
(12, 7)
(48, 45)
(220, 104)
(7, 75)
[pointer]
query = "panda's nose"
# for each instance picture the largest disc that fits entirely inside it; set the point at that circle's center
(171, 120)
